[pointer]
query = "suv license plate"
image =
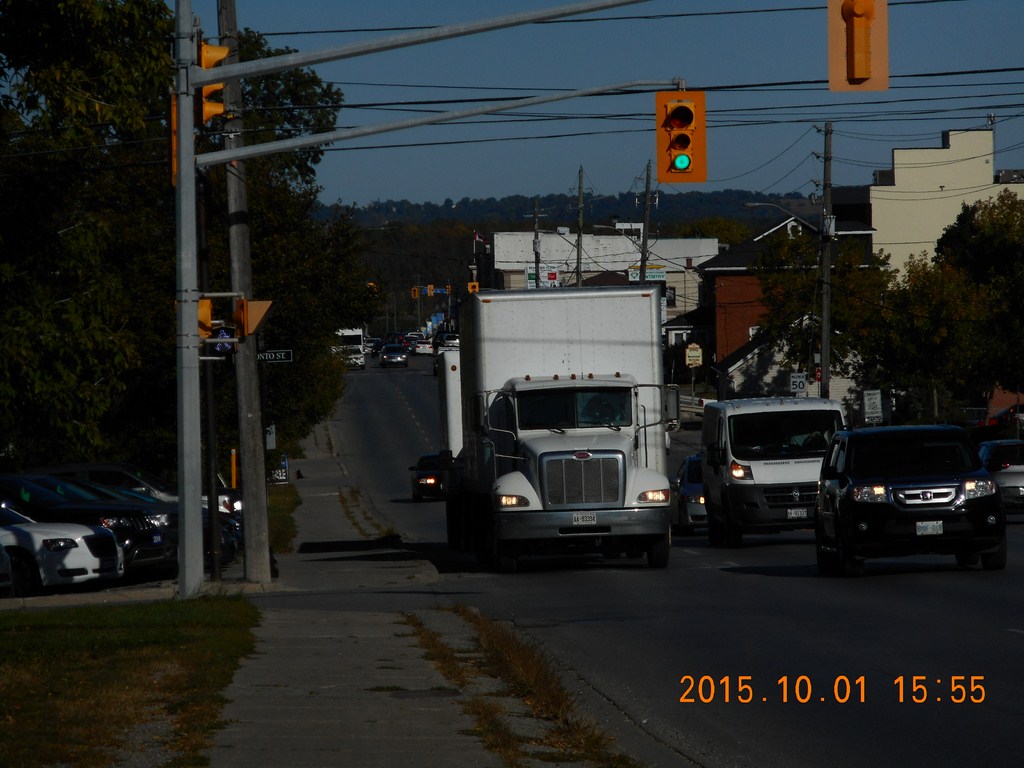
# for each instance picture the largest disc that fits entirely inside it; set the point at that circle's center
(799, 513)
(584, 518)
(929, 528)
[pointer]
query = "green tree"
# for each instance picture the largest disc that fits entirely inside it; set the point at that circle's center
(78, 79)
(986, 242)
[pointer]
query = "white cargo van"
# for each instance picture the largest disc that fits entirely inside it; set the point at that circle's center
(762, 458)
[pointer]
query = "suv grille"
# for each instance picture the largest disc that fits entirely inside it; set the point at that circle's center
(913, 497)
(583, 480)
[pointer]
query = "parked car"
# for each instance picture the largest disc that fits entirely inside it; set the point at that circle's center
(392, 355)
(1004, 459)
(689, 486)
(115, 475)
(912, 490)
(55, 554)
(427, 479)
(145, 542)
(6, 575)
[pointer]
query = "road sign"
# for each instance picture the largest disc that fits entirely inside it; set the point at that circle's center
(274, 356)
(694, 356)
(873, 406)
(798, 383)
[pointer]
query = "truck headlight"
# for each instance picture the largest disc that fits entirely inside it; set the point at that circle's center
(659, 496)
(508, 501)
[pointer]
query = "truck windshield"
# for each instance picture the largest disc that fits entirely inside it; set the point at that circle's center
(572, 408)
(774, 434)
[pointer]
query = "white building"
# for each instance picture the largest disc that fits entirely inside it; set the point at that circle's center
(618, 256)
(923, 193)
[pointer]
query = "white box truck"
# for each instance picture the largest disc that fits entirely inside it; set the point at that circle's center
(761, 462)
(564, 418)
(350, 345)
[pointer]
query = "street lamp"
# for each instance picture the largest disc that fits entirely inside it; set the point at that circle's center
(826, 234)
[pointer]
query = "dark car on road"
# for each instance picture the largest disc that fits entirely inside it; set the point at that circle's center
(427, 478)
(394, 355)
(143, 538)
(912, 490)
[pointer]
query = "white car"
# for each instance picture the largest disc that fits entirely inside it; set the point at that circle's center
(57, 554)
(423, 347)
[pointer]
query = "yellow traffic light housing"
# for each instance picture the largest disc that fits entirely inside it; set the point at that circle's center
(681, 136)
(249, 315)
(172, 121)
(205, 318)
(858, 45)
(472, 287)
(414, 292)
(430, 289)
(209, 57)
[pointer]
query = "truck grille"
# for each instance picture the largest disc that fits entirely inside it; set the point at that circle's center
(582, 479)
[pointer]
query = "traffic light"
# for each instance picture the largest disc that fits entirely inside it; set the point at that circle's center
(682, 138)
(430, 289)
(209, 57)
(205, 318)
(415, 292)
(472, 287)
(249, 315)
(858, 45)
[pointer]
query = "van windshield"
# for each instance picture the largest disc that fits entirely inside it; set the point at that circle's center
(776, 434)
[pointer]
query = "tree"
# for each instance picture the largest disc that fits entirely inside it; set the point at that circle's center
(986, 242)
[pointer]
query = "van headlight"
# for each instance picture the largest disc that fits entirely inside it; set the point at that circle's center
(739, 471)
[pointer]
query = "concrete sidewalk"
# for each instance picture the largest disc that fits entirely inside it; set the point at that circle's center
(338, 678)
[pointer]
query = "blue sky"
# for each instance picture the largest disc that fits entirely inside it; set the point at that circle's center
(764, 136)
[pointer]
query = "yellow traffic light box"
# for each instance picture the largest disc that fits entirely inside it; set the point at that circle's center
(209, 57)
(858, 45)
(681, 136)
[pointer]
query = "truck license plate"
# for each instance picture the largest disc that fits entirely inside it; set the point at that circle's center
(584, 518)
(796, 513)
(929, 528)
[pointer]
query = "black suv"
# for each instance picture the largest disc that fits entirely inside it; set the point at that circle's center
(906, 491)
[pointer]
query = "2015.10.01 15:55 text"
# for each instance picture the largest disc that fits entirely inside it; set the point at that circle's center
(840, 689)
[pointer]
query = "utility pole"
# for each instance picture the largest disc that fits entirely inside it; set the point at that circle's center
(647, 221)
(251, 436)
(536, 243)
(828, 228)
(579, 232)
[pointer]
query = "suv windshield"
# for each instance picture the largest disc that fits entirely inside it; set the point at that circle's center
(774, 434)
(571, 408)
(912, 453)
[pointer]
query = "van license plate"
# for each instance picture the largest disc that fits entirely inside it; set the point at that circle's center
(929, 528)
(584, 518)
(798, 513)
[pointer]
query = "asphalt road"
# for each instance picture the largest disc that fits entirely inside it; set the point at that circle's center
(730, 657)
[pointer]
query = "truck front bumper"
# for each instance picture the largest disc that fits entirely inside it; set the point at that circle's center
(576, 528)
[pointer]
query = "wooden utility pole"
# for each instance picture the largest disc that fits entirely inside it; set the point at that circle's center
(251, 436)
(827, 233)
(579, 232)
(647, 221)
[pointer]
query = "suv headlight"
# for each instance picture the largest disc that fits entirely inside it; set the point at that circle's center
(869, 493)
(976, 489)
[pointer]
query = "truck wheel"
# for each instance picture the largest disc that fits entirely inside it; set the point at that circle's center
(658, 552)
(453, 512)
(716, 533)
(732, 533)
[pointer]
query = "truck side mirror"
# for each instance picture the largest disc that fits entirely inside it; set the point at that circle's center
(829, 472)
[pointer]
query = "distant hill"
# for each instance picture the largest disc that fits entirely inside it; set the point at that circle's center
(516, 213)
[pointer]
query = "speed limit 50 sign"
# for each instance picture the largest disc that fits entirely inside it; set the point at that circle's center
(798, 383)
